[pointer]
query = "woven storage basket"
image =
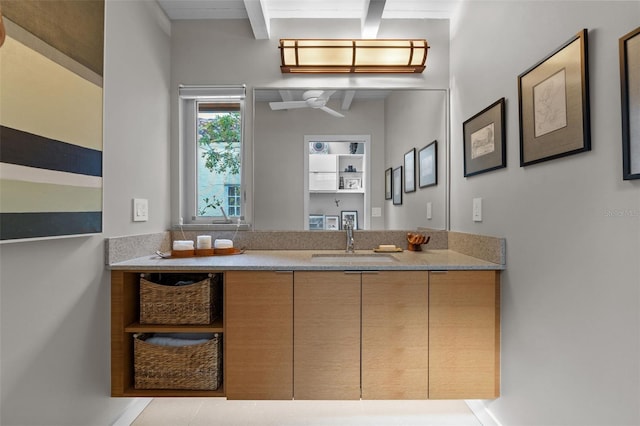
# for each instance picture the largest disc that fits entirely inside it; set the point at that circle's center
(187, 304)
(194, 367)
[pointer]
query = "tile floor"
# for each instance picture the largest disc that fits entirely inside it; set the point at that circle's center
(220, 412)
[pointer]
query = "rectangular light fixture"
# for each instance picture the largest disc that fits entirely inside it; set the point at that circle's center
(318, 56)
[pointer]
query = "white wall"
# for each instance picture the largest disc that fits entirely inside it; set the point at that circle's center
(570, 294)
(54, 306)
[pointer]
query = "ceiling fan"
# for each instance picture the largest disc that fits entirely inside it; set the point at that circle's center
(316, 99)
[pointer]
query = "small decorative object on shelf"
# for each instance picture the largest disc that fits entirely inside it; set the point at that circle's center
(415, 241)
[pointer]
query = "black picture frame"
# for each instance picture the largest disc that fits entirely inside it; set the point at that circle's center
(554, 108)
(410, 171)
(485, 140)
(387, 183)
(629, 46)
(428, 165)
(396, 184)
(349, 214)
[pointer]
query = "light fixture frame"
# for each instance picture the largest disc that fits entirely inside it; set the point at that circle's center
(293, 60)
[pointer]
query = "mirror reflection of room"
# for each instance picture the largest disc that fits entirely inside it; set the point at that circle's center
(394, 120)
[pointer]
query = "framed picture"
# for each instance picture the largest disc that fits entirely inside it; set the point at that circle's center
(387, 184)
(410, 171)
(332, 222)
(428, 165)
(554, 104)
(316, 222)
(352, 183)
(396, 184)
(485, 145)
(630, 87)
(349, 215)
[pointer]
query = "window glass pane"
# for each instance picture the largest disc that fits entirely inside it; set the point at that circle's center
(233, 200)
(219, 134)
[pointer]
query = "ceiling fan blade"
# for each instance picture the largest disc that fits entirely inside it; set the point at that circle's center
(288, 105)
(332, 112)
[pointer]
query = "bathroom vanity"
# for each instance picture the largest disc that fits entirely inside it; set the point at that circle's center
(319, 324)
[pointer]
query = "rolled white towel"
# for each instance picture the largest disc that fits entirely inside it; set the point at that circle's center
(182, 245)
(222, 244)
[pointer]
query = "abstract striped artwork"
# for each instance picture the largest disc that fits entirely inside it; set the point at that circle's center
(50, 142)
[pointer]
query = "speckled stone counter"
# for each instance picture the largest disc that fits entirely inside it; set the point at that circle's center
(295, 250)
(309, 260)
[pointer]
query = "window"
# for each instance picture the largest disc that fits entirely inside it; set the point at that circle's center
(211, 119)
(233, 200)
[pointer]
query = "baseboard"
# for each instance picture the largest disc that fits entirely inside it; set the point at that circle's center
(482, 412)
(132, 411)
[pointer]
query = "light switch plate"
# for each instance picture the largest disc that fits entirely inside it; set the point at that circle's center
(429, 211)
(140, 209)
(477, 209)
(376, 212)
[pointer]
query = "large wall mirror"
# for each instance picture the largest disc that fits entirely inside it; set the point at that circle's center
(397, 121)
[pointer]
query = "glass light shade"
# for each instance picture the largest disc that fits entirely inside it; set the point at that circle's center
(353, 56)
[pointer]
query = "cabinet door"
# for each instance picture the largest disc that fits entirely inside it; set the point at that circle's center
(464, 335)
(320, 181)
(395, 358)
(322, 163)
(259, 335)
(326, 335)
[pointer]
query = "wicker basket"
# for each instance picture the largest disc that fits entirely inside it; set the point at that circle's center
(194, 367)
(186, 304)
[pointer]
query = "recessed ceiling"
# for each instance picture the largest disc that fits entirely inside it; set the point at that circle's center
(260, 11)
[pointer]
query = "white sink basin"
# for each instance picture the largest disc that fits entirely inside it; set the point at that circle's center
(352, 258)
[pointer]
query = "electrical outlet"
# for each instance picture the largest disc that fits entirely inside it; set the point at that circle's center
(140, 209)
(477, 209)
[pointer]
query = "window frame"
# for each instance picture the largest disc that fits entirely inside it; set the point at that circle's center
(189, 98)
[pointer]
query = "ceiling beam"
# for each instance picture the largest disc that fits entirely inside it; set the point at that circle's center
(371, 18)
(257, 12)
(286, 95)
(347, 99)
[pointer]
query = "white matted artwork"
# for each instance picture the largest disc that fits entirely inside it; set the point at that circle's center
(332, 223)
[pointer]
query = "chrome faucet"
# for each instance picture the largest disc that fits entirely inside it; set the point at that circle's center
(348, 226)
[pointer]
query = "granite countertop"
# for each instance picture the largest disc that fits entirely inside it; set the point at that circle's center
(270, 260)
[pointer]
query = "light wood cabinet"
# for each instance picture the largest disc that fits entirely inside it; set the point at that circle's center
(395, 344)
(125, 322)
(336, 335)
(259, 335)
(326, 337)
(464, 335)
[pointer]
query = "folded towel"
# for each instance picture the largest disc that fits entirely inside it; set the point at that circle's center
(172, 341)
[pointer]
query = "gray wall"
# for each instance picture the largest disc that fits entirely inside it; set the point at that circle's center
(54, 307)
(405, 130)
(570, 298)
